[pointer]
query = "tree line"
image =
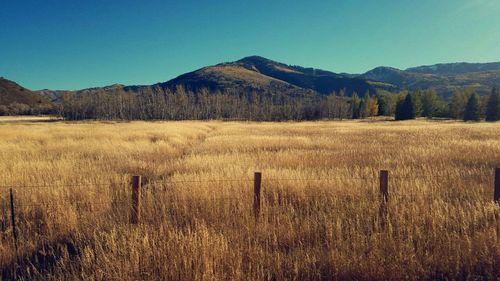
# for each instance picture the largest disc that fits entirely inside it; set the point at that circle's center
(156, 103)
(463, 105)
(180, 104)
(17, 108)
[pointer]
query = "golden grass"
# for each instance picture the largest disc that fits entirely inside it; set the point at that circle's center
(41, 118)
(240, 73)
(286, 69)
(320, 202)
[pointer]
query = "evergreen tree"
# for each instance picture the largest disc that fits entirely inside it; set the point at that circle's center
(399, 115)
(493, 107)
(471, 112)
(417, 102)
(382, 105)
(405, 109)
(430, 102)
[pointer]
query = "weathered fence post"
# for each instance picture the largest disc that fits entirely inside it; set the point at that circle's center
(5, 217)
(496, 195)
(257, 180)
(384, 197)
(135, 213)
(384, 185)
(13, 219)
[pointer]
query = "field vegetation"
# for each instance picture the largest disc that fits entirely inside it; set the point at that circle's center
(320, 210)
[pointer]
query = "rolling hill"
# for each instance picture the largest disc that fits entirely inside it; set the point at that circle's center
(11, 92)
(455, 68)
(444, 78)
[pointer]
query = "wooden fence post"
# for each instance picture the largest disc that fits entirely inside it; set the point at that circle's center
(384, 194)
(13, 219)
(5, 218)
(496, 195)
(384, 185)
(257, 180)
(135, 213)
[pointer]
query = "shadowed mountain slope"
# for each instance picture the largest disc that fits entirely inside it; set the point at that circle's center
(11, 92)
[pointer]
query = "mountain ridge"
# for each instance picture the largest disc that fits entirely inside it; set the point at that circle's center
(253, 72)
(455, 68)
(444, 78)
(265, 76)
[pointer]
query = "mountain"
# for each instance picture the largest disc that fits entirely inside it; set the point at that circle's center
(455, 68)
(234, 76)
(56, 95)
(11, 92)
(444, 78)
(250, 74)
(389, 75)
(263, 75)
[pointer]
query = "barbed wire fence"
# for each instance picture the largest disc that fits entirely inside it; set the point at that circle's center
(139, 187)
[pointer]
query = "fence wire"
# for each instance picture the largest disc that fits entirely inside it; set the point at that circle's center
(394, 192)
(166, 181)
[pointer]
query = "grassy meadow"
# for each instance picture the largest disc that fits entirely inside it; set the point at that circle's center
(320, 206)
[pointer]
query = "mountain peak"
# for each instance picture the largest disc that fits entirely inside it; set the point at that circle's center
(255, 58)
(381, 69)
(257, 62)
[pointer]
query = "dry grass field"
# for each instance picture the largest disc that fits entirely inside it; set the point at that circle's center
(320, 207)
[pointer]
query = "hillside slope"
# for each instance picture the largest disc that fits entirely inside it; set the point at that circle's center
(455, 68)
(444, 78)
(11, 92)
(263, 75)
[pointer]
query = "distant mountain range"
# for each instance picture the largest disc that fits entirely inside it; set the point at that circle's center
(261, 75)
(444, 78)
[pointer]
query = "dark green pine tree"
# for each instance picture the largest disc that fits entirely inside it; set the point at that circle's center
(405, 110)
(493, 107)
(382, 105)
(471, 112)
(399, 114)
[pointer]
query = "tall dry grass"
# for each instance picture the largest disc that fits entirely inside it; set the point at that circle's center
(320, 203)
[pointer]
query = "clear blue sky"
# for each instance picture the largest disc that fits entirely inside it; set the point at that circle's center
(77, 44)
